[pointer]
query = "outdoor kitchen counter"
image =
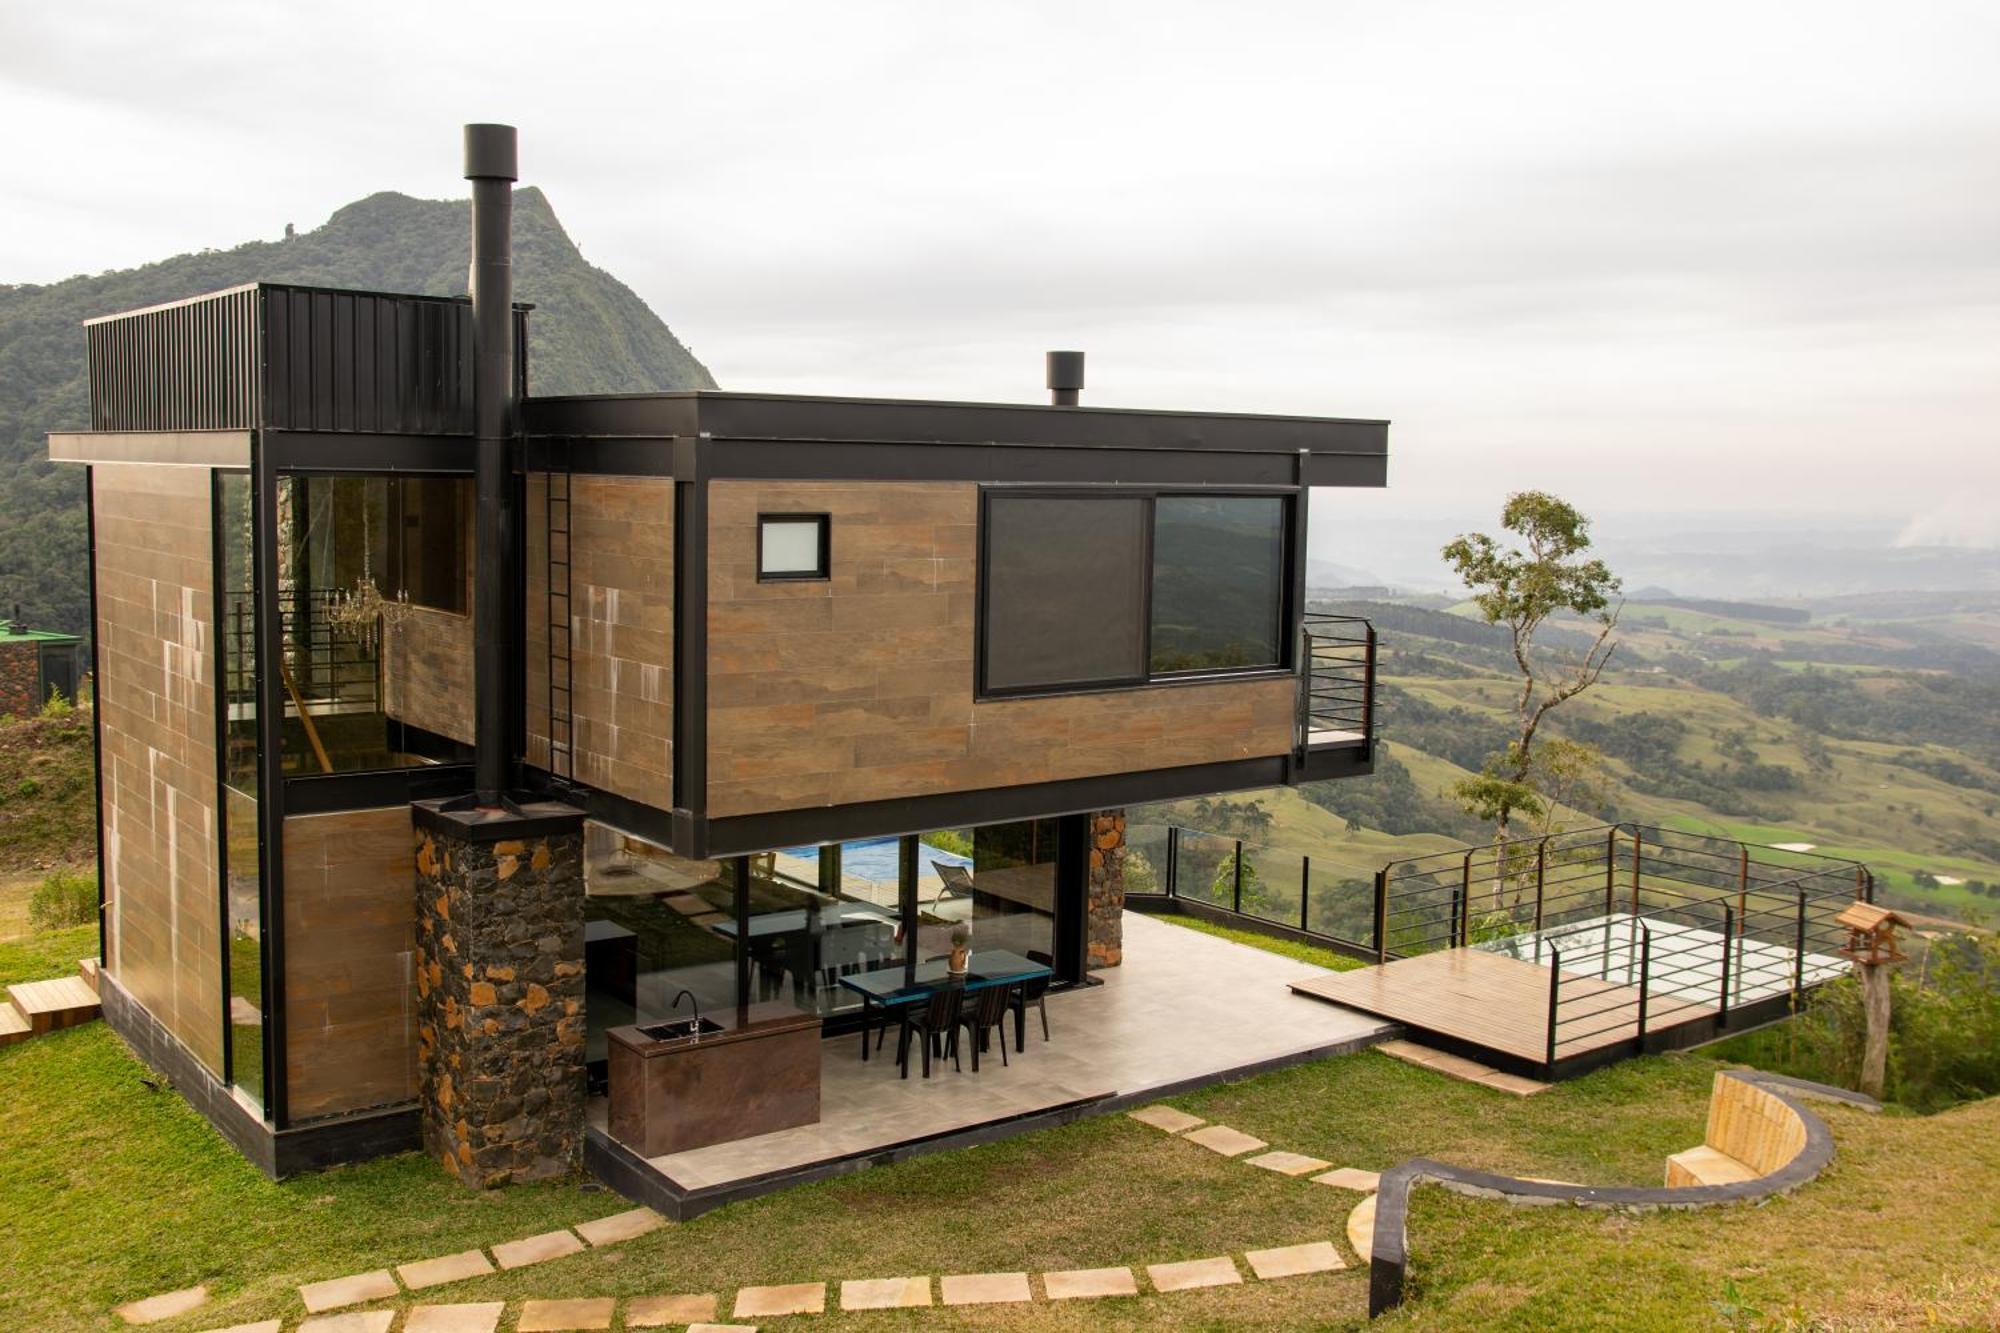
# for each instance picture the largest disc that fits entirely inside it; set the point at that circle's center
(759, 1074)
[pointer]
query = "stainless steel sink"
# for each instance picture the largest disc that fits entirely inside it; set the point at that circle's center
(678, 1028)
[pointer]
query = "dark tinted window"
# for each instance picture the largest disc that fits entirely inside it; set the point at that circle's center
(433, 513)
(1218, 582)
(1065, 591)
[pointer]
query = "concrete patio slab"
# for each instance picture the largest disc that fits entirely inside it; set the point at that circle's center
(789, 1298)
(166, 1305)
(1318, 1256)
(1085, 1283)
(662, 1311)
(536, 1249)
(885, 1293)
(619, 1226)
(1289, 1163)
(480, 1317)
(1166, 1117)
(1351, 1178)
(447, 1268)
(336, 1292)
(355, 1321)
(1229, 1142)
(1190, 1274)
(586, 1314)
(985, 1288)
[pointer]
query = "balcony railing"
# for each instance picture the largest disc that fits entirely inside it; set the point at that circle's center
(1337, 706)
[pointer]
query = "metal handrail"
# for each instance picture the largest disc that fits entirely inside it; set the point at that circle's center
(1337, 687)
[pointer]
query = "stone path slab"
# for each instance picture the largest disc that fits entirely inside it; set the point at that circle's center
(1351, 1178)
(1317, 1256)
(536, 1249)
(661, 1311)
(339, 1291)
(1289, 1163)
(722, 1328)
(1458, 1067)
(620, 1226)
(358, 1321)
(1083, 1283)
(566, 1316)
(985, 1288)
(447, 1268)
(1167, 1118)
(1361, 1228)
(885, 1293)
(1229, 1142)
(163, 1306)
(262, 1326)
(792, 1298)
(474, 1317)
(1192, 1273)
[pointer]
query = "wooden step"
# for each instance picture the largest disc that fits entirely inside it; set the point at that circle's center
(48, 1005)
(87, 969)
(13, 1027)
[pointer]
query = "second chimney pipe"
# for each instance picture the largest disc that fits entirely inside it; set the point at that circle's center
(1065, 377)
(490, 164)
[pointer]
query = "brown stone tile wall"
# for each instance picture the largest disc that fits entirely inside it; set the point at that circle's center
(350, 941)
(156, 718)
(860, 687)
(622, 631)
(427, 672)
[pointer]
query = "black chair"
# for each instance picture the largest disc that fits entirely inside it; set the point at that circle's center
(991, 1007)
(936, 1021)
(1035, 991)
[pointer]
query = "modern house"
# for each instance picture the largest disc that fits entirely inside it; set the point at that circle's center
(692, 691)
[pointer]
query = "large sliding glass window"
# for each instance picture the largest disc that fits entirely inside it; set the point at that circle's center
(998, 882)
(242, 886)
(1083, 591)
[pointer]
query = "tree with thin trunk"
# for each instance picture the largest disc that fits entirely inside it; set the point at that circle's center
(1520, 588)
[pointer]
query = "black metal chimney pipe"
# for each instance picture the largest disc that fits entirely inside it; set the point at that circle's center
(490, 164)
(1065, 377)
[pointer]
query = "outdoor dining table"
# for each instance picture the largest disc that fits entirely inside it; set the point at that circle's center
(910, 983)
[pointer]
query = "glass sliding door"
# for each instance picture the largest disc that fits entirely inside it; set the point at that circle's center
(818, 914)
(242, 883)
(1001, 888)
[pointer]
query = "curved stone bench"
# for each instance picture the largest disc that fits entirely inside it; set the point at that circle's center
(1763, 1118)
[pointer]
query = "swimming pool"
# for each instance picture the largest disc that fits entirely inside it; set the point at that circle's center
(875, 858)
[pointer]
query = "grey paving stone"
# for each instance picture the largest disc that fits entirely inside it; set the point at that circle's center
(620, 1226)
(789, 1298)
(885, 1293)
(662, 1311)
(479, 1317)
(446, 1268)
(536, 1249)
(1166, 1117)
(1079, 1283)
(593, 1312)
(356, 1321)
(339, 1291)
(1288, 1163)
(985, 1288)
(1229, 1142)
(163, 1306)
(1317, 1256)
(1192, 1273)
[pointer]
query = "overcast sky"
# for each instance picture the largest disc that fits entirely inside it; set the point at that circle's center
(1661, 258)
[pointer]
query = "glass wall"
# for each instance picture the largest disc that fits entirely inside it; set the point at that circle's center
(242, 867)
(1003, 890)
(1218, 582)
(818, 914)
(364, 560)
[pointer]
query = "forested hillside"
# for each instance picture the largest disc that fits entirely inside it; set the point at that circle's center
(589, 334)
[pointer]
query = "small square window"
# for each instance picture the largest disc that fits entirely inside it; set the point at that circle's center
(792, 546)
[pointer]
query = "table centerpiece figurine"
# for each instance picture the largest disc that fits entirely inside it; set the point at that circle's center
(960, 954)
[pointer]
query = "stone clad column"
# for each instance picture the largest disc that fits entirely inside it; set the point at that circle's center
(1104, 935)
(500, 1049)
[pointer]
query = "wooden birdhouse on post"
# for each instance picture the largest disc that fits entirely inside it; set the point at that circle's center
(1871, 946)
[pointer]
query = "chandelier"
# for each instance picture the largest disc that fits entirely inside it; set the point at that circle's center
(362, 612)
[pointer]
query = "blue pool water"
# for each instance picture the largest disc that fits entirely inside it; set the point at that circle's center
(875, 858)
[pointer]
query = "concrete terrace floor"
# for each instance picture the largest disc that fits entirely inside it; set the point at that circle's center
(1184, 1008)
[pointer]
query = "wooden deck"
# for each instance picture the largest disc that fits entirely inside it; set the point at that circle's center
(1498, 1004)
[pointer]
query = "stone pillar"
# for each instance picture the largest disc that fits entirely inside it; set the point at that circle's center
(500, 1057)
(1104, 935)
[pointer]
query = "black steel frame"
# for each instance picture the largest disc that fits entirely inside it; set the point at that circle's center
(822, 573)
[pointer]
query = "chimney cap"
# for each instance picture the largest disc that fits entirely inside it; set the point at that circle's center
(1065, 370)
(490, 153)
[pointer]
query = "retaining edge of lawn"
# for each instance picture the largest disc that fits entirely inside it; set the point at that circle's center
(1389, 1260)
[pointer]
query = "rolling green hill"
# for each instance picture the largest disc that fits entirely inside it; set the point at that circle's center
(589, 334)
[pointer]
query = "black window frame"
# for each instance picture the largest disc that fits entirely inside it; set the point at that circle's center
(1290, 497)
(819, 575)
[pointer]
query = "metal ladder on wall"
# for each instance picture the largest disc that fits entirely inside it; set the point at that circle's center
(556, 586)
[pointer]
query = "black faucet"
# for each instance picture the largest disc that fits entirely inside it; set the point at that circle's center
(689, 996)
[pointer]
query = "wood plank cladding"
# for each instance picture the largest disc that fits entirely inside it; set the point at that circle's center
(621, 631)
(427, 671)
(860, 687)
(350, 950)
(156, 721)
